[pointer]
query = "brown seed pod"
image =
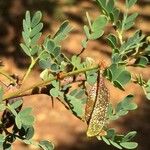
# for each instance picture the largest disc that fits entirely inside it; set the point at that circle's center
(96, 107)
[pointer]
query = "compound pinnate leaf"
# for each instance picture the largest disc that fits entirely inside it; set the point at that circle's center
(129, 21)
(62, 32)
(122, 108)
(96, 107)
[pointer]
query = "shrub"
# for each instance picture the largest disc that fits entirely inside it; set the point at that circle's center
(58, 72)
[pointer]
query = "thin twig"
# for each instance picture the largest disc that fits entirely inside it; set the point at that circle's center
(21, 92)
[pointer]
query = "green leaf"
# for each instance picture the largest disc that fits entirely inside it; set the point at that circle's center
(36, 19)
(62, 32)
(26, 39)
(54, 92)
(35, 38)
(18, 121)
(28, 19)
(50, 45)
(29, 132)
(26, 29)
(115, 144)
(45, 64)
(131, 18)
(112, 40)
(120, 76)
(133, 42)
(57, 52)
(116, 58)
(110, 5)
(141, 61)
(129, 145)
(99, 23)
(44, 74)
(110, 133)
(97, 28)
(106, 6)
(36, 30)
(34, 50)
(87, 31)
(130, 3)
(129, 136)
(29, 120)
(54, 67)
(76, 62)
(91, 76)
(148, 96)
(105, 140)
(124, 77)
(96, 35)
(46, 145)
(17, 103)
(25, 49)
(118, 85)
(12, 110)
(74, 99)
(25, 117)
(25, 112)
(127, 104)
(2, 107)
(2, 138)
(129, 22)
(108, 74)
(114, 15)
(84, 43)
(121, 112)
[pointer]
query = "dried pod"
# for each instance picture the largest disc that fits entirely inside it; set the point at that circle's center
(96, 107)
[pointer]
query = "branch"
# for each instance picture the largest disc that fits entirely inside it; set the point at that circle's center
(22, 92)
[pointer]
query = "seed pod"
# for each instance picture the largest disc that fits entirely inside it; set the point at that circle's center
(96, 107)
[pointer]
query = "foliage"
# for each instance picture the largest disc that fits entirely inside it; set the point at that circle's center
(58, 73)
